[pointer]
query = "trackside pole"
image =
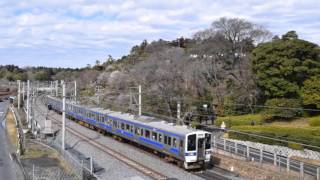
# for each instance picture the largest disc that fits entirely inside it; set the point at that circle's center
(63, 115)
(56, 83)
(19, 94)
(75, 92)
(23, 91)
(140, 107)
(28, 104)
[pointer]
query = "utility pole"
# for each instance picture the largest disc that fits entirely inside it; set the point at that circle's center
(28, 104)
(63, 114)
(98, 93)
(19, 92)
(140, 105)
(32, 113)
(51, 86)
(75, 92)
(56, 88)
(23, 90)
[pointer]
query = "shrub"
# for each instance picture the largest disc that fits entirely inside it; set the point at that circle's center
(241, 120)
(276, 109)
(314, 121)
(295, 146)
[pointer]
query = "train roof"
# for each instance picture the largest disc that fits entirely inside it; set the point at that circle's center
(143, 120)
(147, 121)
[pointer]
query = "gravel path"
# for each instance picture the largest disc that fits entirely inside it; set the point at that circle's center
(112, 167)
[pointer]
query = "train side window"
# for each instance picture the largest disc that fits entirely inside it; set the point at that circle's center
(154, 136)
(160, 137)
(127, 127)
(131, 129)
(174, 142)
(115, 124)
(136, 131)
(141, 132)
(169, 141)
(165, 139)
(122, 126)
(181, 144)
(147, 134)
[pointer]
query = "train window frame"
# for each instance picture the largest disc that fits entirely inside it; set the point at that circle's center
(137, 131)
(208, 141)
(147, 134)
(194, 145)
(115, 124)
(165, 139)
(160, 137)
(174, 142)
(154, 135)
(169, 140)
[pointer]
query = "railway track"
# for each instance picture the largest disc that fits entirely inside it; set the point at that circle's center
(122, 158)
(207, 174)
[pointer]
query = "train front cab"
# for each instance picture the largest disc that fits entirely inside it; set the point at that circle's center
(197, 149)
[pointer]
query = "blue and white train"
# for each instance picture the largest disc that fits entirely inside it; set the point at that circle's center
(190, 148)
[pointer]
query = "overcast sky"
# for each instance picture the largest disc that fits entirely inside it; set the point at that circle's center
(73, 33)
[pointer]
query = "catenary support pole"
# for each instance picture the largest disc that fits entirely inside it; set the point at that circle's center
(57, 83)
(23, 91)
(63, 115)
(75, 92)
(28, 103)
(91, 165)
(19, 94)
(140, 101)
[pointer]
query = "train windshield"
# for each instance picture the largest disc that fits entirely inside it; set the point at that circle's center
(192, 142)
(208, 140)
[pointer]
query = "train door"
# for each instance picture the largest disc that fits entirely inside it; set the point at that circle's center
(201, 147)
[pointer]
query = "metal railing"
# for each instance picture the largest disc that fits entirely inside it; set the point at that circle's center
(259, 155)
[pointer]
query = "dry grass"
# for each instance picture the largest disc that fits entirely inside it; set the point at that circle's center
(36, 151)
(12, 130)
(305, 160)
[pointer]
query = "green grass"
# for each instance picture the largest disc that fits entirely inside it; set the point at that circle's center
(305, 135)
(240, 120)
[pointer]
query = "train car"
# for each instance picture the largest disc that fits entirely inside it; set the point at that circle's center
(190, 148)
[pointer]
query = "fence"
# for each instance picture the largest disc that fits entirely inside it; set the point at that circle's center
(81, 166)
(262, 156)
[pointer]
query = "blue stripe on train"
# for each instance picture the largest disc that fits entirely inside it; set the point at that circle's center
(124, 133)
(174, 150)
(156, 144)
